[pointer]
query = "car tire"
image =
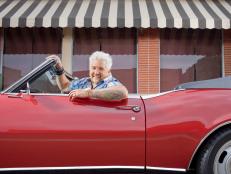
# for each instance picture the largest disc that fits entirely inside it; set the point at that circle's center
(215, 156)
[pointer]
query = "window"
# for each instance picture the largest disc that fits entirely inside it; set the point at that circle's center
(25, 48)
(189, 55)
(119, 43)
(46, 83)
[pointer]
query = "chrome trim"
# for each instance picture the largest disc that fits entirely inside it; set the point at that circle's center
(204, 138)
(166, 169)
(39, 94)
(49, 94)
(147, 96)
(130, 96)
(71, 167)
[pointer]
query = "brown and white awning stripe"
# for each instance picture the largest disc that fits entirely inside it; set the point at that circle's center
(116, 13)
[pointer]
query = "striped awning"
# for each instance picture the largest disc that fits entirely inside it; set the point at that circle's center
(116, 13)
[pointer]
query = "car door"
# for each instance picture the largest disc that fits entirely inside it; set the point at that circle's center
(47, 131)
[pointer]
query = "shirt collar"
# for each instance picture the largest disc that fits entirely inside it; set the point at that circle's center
(104, 80)
(108, 78)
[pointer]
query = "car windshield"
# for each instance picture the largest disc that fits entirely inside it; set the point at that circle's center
(45, 83)
(42, 79)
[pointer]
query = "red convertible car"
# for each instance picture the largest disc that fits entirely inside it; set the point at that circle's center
(186, 129)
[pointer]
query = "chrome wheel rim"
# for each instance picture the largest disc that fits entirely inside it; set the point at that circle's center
(222, 161)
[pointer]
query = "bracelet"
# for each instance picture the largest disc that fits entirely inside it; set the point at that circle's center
(59, 71)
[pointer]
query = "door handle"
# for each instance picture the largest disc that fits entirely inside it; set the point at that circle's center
(134, 108)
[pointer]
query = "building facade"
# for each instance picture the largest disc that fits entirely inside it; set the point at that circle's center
(155, 44)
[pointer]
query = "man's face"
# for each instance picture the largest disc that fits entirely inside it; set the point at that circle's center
(98, 71)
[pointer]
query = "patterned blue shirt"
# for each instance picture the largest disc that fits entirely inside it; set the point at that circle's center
(86, 83)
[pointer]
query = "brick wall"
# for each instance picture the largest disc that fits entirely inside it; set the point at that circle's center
(227, 52)
(148, 61)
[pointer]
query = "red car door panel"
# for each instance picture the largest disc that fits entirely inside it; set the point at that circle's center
(50, 131)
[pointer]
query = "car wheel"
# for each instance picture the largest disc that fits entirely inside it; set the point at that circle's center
(215, 157)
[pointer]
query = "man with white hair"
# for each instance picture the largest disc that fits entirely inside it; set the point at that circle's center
(99, 85)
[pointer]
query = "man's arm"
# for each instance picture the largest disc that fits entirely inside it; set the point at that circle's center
(112, 93)
(62, 81)
(61, 78)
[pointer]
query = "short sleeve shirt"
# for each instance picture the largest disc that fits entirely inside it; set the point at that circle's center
(85, 83)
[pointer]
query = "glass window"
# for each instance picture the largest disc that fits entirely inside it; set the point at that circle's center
(25, 48)
(119, 43)
(46, 83)
(43, 83)
(189, 55)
